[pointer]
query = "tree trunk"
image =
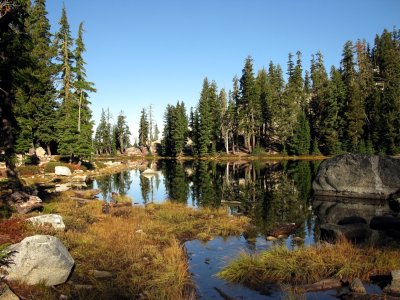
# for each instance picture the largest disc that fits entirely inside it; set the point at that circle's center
(7, 122)
(48, 150)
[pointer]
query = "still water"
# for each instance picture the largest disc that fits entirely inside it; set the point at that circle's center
(276, 196)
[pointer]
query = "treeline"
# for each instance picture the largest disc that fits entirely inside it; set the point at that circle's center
(44, 87)
(354, 108)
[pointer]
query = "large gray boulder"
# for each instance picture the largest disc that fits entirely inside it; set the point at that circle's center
(39, 259)
(360, 176)
(56, 221)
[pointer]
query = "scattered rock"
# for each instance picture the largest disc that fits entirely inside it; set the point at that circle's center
(100, 274)
(352, 220)
(325, 284)
(87, 194)
(40, 152)
(33, 203)
(394, 286)
(6, 293)
(83, 286)
(39, 259)
(63, 187)
(271, 238)
(385, 222)
(357, 286)
(56, 221)
(298, 239)
(79, 178)
(78, 172)
(62, 171)
(356, 175)
(284, 229)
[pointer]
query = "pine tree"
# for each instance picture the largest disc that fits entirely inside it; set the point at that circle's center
(14, 56)
(143, 129)
(300, 143)
(175, 130)
(249, 105)
(122, 133)
(67, 126)
(387, 104)
(354, 111)
(264, 88)
(204, 132)
(156, 132)
(82, 88)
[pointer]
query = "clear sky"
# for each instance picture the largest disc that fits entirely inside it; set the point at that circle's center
(142, 52)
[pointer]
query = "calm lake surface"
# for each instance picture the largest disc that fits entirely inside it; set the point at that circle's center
(275, 195)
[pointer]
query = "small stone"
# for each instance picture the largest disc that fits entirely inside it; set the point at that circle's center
(357, 286)
(100, 274)
(395, 275)
(271, 238)
(282, 236)
(298, 239)
(56, 221)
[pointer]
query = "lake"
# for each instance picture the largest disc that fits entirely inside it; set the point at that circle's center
(277, 196)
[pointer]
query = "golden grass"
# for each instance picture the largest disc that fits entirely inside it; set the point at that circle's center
(342, 260)
(141, 247)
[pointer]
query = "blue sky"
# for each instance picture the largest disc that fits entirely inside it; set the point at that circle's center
(158, 52)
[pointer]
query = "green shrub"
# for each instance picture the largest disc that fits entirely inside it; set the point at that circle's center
(32, 160)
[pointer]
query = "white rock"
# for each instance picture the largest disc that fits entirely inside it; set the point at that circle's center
(39, 259)
(40, 152)
(63, 187)
(79, 178)
(62, 170)
(56, 221)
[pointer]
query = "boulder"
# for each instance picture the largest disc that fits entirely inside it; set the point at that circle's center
(394, 286)
(354, 232)
(40, 152)
(33, 203)
(56, 221)
(357, 286)
(357, 175)
(39, 259)
(62, 171)
(133, 151)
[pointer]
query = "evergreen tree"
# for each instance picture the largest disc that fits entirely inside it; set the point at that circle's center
(122, 133)
(36, 105)
(103, 138)
(156, 132)
(387, 104)
(354, 113)
(83, 146)
(143, 129)
(204, 132)
(300, 143)
(14, 56)
(175, 130)
(249, 105)
(264, 88)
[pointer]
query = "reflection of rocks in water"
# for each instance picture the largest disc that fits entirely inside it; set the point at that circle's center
(350, 217)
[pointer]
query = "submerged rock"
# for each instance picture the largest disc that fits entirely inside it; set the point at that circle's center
(354, 232)
(356, 175)
(39, 259)
(357, 286)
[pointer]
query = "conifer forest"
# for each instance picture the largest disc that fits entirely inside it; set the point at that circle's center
(45, 100)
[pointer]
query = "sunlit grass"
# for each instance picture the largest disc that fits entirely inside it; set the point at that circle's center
(141, 247)
(342, 260)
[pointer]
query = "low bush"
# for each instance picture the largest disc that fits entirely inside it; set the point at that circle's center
(31, 160)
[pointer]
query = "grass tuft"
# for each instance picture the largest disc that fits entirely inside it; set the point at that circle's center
(342, 260)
